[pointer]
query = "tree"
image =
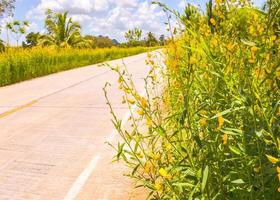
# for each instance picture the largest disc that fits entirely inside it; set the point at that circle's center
(151, 40)
(6, 6)
(2, 46)
(32, 39)
(101, 41)
(17, 28)
(62, 31)
(133, 36)
(162, 40)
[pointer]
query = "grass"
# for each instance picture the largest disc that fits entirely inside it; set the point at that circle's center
(213, 132)
(17, 65)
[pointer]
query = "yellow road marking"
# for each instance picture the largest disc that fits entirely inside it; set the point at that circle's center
(12, 111)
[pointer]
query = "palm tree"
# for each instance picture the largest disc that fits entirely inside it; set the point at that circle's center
(17, 28)
(62, 31)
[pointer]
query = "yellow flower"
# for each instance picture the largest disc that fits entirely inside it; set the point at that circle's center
(202, 122)
(157, 156)
(254, 49)
(251, 30)
(251, 60)
(213, 21)
(140, 112)
(214, 42)
(278, 169)
(203, 112)
(278, 74)
(261, 30)
(120, 80)
(218, 1)
(139, 154)
(278, 114)
(225, 139)
(273, 38)
(174, 198)
(193, 60)
(149, 122)
(272, 159)
(267, 58)
(131, 101)
(221, 121)
(158, 186)
(165, 174)
(230, 46)
(144, 102)
(149, 167)
(278, 189)
(168, 146)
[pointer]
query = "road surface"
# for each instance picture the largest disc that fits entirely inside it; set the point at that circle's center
(53, 132)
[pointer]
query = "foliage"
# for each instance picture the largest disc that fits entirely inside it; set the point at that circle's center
(6, 6)
(208, 124)
(151, 40)
(101, 41)
(272, 7)
(162, 40)
(32, 39)
(20, 64)
(133, 36)
(62, 31)
(17, 28)
(2, 46)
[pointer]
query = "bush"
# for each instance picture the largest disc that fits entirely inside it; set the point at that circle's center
(213, 131)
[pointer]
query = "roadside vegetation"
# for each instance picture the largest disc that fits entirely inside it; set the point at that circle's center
(212, 116)
(61, 47)
(17, 65)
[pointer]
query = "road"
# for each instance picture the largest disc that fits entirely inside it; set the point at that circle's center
(53, 132)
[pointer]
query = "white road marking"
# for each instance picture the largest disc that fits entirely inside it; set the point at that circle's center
(84, 176)
(124, 120)
(80, 182)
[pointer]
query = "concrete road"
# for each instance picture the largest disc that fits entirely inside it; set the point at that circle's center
(53, 132)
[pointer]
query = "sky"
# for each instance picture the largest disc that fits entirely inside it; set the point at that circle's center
(102, 17)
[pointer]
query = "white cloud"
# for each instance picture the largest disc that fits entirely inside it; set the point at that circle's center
(106, 17)
(183, 4)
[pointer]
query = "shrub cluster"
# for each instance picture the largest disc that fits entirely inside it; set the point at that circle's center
(212, 125)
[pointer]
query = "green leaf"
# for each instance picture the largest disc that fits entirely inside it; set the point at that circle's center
(231, 131)
(183, 185)
(193, 191)
(204, 178)
(235, 150)
(228, 111)
(248, 43)
(238, 181)
(135, 169)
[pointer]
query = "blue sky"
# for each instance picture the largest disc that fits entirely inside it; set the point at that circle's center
(103, 17)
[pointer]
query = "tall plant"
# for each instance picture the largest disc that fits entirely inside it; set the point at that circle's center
(208, 125)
